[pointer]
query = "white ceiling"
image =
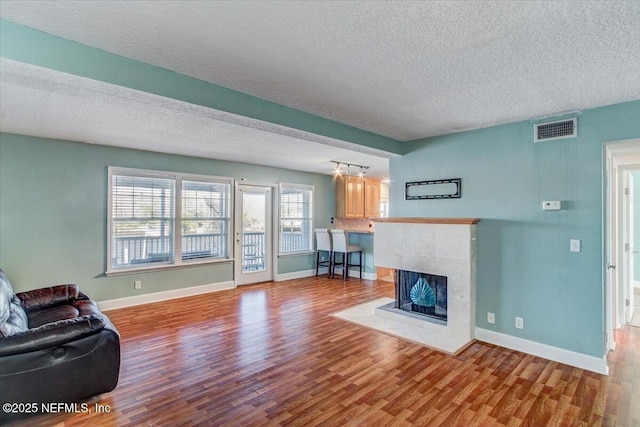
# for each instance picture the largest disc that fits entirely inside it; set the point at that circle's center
(46, 103)
(402, 69)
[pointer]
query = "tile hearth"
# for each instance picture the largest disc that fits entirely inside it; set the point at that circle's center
(378, 314)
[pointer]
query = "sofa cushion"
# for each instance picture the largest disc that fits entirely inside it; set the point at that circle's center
(17, 320)
(13, 318)
(5, 306)
(38, 299)
(51, 335)
(53, 314)
(87, 307)
(6, 295)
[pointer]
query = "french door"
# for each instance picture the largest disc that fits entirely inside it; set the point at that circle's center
(253, 239)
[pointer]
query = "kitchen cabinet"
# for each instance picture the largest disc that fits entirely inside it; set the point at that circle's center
(371, 198)
(357, 197)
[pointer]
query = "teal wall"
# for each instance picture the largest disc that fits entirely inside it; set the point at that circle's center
(524, 267)
(53, 210)
(24, 44)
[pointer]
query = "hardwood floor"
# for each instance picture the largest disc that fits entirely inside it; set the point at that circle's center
(271, 354)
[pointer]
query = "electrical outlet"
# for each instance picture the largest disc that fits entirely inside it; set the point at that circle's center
(519, 323)
(551, 205)
(137, 284)
(491, 318)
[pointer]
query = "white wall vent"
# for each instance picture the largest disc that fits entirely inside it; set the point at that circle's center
(555, 130)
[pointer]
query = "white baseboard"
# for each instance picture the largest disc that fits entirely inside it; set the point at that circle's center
(203, 289)
(323, 270)
(356, 274)
(579, 360)
(164, 295)
(299, 274)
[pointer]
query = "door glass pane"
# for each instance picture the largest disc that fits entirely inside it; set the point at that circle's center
(253, 231)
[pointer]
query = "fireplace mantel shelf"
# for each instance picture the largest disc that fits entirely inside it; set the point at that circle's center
(459, 221)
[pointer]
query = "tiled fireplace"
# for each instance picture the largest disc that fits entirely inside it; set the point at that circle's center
(435, 256)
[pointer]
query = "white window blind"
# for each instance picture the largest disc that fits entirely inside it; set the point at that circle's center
(206, 216)
(296, 218)
(143, 218)
(159, 219)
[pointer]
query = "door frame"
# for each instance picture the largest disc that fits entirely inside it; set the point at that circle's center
(237, 224)
(628, 243)
(619, 157)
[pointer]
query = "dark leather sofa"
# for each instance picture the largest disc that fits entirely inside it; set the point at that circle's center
(55, 346)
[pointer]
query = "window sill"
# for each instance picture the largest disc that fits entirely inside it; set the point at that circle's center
(165, 267)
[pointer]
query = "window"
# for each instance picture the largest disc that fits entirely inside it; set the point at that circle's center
(296, 218)
(165, 219)
(206, 216)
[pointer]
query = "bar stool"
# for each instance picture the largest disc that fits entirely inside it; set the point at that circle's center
(341, 245)
(323, 244)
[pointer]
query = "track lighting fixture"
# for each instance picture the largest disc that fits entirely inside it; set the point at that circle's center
(343, 168)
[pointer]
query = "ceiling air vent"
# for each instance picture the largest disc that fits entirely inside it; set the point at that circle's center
(555, 130)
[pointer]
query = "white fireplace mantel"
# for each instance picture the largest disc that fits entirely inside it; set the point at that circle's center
(440, 246)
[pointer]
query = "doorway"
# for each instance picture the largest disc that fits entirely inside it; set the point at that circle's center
(253, 243)
(622, 159)
(629, 249)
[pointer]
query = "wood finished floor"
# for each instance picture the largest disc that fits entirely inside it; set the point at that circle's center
(271, 354)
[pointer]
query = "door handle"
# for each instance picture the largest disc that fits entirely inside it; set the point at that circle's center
(611, 267)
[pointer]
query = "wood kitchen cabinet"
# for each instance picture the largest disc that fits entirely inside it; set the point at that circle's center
(371, 198)
(357, 197)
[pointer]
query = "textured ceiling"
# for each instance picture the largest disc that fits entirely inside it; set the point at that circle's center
(401, 69)
(46, 103)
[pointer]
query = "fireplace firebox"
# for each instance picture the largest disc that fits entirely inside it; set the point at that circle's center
(421, 293)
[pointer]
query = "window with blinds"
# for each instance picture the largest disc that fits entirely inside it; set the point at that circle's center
(142, 220)
(162, 219)
(296, 218)
(206, 217)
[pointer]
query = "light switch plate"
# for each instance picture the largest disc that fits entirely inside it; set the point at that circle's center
(574, 245)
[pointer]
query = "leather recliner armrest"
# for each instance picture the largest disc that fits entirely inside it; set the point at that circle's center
(51, 334)
(39, 299)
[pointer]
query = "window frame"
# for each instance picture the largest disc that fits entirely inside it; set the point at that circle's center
(177, 254)
(305, 187)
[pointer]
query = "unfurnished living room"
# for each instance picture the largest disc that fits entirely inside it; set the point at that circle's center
(299, 213)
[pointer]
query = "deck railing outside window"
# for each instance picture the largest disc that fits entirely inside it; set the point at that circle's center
(144, 249)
